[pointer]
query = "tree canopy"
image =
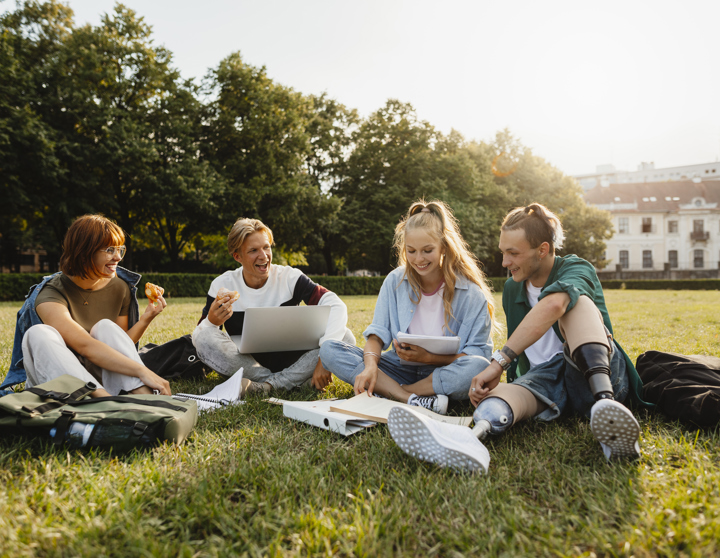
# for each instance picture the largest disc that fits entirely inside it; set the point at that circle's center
(96, 119)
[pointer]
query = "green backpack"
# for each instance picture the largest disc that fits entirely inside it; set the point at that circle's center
(61, 409)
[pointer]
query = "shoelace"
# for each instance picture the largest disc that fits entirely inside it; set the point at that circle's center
(426, 402)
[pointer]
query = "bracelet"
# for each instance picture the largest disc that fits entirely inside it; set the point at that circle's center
(365, 353)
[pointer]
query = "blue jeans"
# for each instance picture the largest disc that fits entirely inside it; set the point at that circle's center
(453, 380)
(560, 384)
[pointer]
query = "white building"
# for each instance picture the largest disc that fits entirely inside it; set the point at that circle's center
(663, 226)
(607, 174)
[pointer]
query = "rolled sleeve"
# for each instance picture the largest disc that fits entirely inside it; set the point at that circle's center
(385, 309)
(478, 332)
(575, 282)
(337, 321)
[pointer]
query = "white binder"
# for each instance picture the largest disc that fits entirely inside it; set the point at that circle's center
(318, 413)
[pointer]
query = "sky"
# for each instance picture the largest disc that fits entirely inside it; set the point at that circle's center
(581, 83)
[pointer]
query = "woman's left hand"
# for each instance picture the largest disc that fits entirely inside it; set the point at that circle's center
(153, 309)
(412, 353)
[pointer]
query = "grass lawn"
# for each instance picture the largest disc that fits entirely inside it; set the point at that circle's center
(250, 481)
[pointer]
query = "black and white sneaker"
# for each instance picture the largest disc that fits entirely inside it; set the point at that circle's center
(435, 403)
(446, 445)
(615, 427)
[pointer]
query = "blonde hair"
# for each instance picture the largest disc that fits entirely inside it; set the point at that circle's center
(437, 220)
(242, 229)
(539, 223)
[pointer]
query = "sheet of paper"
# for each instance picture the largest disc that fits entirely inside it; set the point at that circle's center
(378, 409)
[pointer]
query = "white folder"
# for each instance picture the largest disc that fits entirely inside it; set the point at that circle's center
(318, 413)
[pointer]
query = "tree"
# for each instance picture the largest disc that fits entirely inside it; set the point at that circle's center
(257, 140)
(29, 167)
(532, 179)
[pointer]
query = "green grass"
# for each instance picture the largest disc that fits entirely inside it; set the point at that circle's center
(251, 482)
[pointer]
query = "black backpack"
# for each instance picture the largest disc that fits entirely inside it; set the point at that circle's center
(684, 387)
(174, 359)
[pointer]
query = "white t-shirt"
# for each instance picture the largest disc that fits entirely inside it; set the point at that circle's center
(429, 315)
(286, 286)
(549, 344)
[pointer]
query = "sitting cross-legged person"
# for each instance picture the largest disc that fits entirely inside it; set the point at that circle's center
(84, 320)
(438, 290)
(260, 283)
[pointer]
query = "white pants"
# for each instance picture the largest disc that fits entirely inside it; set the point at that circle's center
(46, 356)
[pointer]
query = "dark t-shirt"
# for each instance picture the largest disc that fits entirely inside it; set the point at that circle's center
(88, 307)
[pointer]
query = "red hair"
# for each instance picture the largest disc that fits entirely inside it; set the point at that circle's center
(87, 235)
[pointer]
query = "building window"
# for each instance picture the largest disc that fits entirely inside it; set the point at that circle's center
(623, 225)
(647, 224)
(647, 259)
(698, 226)
(672, 258)
(672, 226)
(699, 260)
(624, 259)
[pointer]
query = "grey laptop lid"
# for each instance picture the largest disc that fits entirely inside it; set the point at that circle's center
(282, 328)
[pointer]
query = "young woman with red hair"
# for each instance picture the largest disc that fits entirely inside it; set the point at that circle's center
(84, 320)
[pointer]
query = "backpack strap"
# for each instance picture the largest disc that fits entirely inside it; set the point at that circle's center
(59, 398)
(61, 426)
(122, 399)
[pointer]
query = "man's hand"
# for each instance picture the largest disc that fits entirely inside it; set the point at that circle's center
(485, 382)
(321, 378)
(220, 311)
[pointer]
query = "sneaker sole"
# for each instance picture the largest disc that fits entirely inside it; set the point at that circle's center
(616, 427)
(412, 436)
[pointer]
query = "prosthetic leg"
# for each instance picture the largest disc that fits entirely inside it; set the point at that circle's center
(589, 345)
(507, 405)
(585, 333)
(612, 424)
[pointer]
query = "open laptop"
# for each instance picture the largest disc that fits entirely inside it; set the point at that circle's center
(282, 328)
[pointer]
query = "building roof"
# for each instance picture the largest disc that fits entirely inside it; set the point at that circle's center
(647, 197)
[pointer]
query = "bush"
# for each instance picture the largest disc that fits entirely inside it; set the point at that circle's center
(14, 286)
(345, 286)
(666, 284)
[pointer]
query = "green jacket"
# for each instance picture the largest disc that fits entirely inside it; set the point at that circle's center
(574, 276)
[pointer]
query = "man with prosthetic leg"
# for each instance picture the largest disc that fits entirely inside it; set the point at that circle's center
(560, 354)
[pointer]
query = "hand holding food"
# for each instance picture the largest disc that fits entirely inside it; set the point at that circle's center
(153, 292)
(223, 292)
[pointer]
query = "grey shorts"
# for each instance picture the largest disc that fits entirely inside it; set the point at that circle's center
(558, 383)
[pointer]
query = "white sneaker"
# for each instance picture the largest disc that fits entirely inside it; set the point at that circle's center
(615, 427)
(436, 403)
(447, 445)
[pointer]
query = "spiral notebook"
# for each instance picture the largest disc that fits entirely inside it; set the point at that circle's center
(228, 393)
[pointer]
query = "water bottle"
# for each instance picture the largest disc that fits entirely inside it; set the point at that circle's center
(77, 434)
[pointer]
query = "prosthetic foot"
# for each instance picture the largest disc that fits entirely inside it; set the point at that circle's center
(506, 405)
(593, 360)
(492, 416)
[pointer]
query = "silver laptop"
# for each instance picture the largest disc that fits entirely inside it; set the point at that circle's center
(283, 328)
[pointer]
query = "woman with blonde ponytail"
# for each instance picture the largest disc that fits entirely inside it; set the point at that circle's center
(437, 289)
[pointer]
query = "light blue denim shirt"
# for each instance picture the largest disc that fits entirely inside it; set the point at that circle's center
(471, 322)
(27, 317)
